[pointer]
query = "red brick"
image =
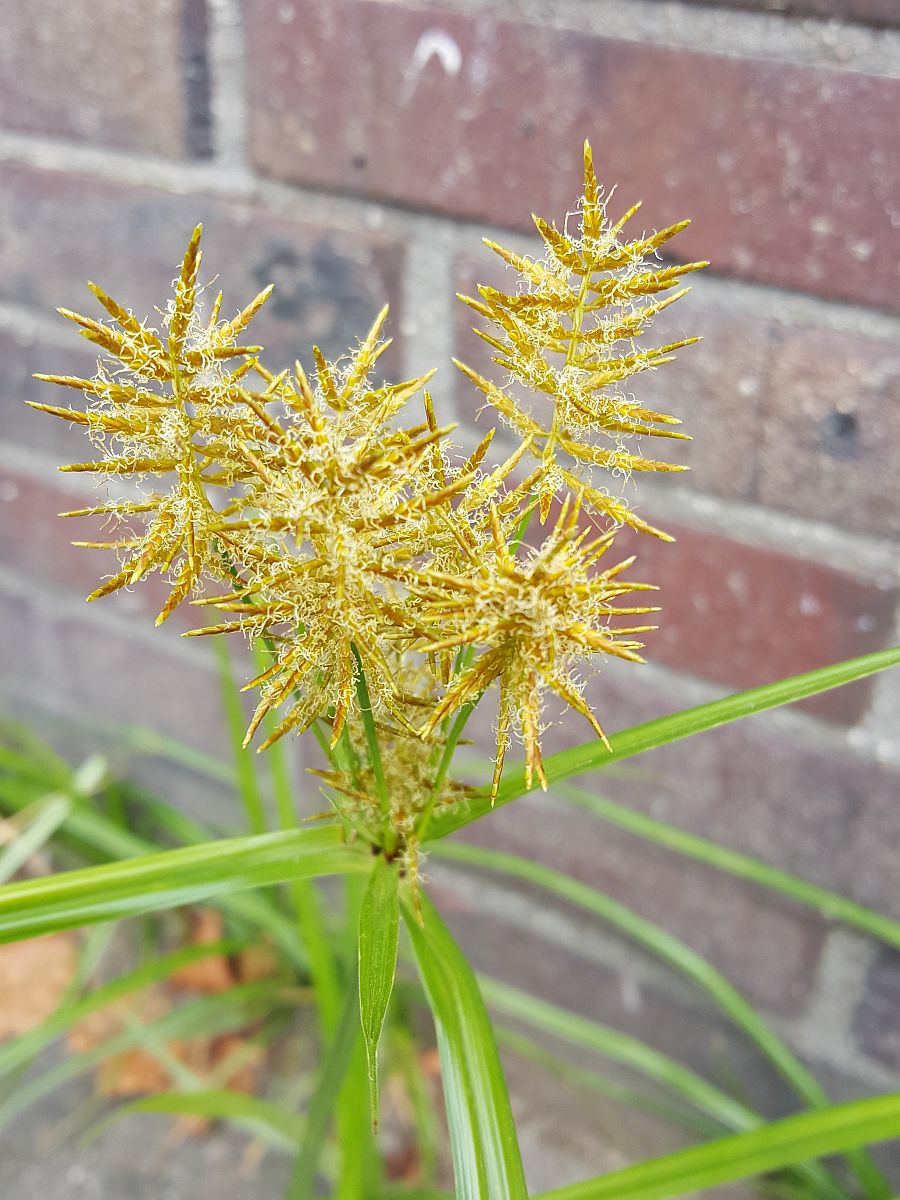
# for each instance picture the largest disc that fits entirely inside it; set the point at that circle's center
(107, 72)
(742, 616)
(484, 119)
(71, 228)
(830, 444)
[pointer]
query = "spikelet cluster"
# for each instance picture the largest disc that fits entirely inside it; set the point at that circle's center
(164, 408)
(341, 502)
(536, 613)
(392, 583)
(568, 335)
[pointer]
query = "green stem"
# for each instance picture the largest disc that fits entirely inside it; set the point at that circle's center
(368, 719)
(455, 733)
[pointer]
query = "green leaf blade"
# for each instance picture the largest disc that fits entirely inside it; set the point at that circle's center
(661, 732)
(781, 1144)
(379, 920)
(171, 879)
(487, 1164)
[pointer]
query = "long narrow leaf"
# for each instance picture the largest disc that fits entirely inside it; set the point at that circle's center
(38, 825)
(379, 918)
(630, 742)
(170, 879)
(487, 1164)
(278, 1125)
(795, 1139)
(679, 956)
(244, 762)
(331, 1075)
(106, 838)
(732, 862)
(587, 1034)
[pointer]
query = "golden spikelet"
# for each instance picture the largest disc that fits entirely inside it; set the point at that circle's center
(535, 613)
(164, 406)
(568, 333)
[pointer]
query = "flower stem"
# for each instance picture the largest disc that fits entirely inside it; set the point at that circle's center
(368, 719)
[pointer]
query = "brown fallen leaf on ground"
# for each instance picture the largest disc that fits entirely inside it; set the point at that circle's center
(228, 1060)
(218, 973)
(207, 975)
(33, 978)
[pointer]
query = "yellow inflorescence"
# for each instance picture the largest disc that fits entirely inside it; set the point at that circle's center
(393, 583)
(568, 333)
(165, 406)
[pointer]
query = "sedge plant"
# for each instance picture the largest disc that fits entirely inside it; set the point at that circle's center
(391, 587)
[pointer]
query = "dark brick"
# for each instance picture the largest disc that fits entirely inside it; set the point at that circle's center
(484, 119)
(741, 615)
(876, 1023)
(109, 72)
(831, 430)
(197, 83)
(329, 285)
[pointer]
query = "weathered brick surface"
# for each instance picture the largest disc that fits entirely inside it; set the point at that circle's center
(329, 285)
(874, 12)
(830, 447)
(876, 1026)
(740, 615)
(815, 811)
(497, 111)
(107, 72)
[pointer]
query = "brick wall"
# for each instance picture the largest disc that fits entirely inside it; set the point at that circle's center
(355, 151)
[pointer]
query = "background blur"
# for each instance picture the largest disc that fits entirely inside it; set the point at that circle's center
(353, 152)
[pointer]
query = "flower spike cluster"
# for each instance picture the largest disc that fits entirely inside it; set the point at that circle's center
(392, 582)
(165, 406)
(569, 334)
(537, 613)
(341, 500)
